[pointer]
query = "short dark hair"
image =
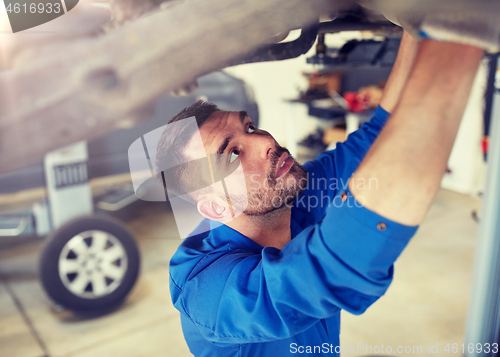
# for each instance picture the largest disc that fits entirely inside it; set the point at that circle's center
(170, 150)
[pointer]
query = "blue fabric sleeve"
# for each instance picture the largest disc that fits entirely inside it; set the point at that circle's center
(330, 172)
(342, 261)
(347, 156)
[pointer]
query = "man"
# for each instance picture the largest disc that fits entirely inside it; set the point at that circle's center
(273, 278)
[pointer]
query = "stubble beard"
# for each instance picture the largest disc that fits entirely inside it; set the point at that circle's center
(277, 193)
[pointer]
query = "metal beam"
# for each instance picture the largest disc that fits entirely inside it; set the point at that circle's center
(482, 329)
(69, 91)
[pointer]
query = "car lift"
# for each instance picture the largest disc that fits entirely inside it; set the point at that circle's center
(483, 320)
(90, 261)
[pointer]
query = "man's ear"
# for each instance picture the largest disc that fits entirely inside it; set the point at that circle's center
(214, 208)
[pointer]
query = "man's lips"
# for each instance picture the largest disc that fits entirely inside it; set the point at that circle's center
(288, 163)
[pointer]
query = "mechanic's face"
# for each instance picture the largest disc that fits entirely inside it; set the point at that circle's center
(272, 177)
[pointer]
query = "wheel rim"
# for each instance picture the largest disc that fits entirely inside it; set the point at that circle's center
(92, 264)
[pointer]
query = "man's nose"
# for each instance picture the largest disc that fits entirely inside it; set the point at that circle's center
(262, 144)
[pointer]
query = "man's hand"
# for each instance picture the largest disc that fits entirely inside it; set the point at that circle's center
(400, 72)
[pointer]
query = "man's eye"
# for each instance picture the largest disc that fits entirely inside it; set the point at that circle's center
(234, 155)
(251, 129)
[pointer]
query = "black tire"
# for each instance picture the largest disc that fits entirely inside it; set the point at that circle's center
(52, 260)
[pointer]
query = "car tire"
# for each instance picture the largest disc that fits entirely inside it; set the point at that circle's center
(89, 264)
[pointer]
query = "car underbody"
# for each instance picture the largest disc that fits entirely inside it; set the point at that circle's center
(120, 56)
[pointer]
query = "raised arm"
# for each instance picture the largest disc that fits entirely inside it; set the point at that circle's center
(399, 73)
(410, 155)
(345, 159)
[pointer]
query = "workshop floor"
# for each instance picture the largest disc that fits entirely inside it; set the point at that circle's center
(426, 304)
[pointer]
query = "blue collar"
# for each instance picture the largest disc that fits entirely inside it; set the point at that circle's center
(220, 235)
